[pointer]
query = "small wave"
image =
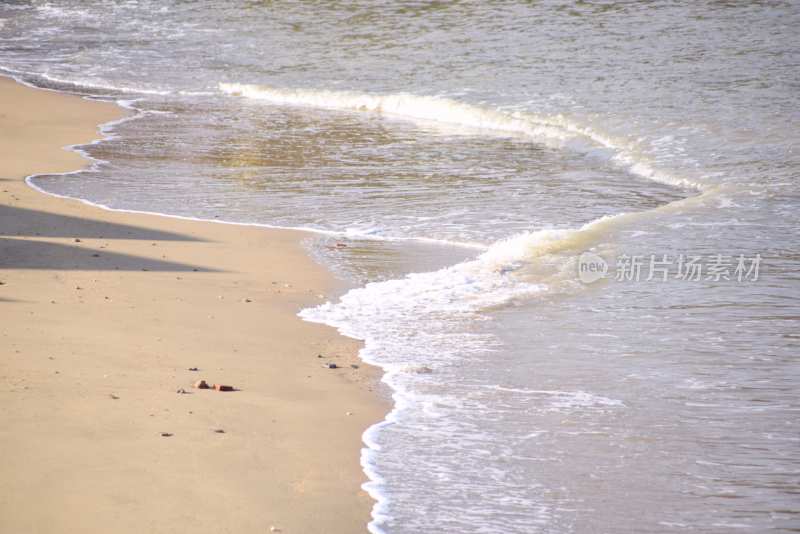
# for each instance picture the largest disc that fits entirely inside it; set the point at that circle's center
(81, 87)
(556, 130)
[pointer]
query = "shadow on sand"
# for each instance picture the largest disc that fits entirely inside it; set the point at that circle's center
(26, 222)
(24, 254)
(35, 254)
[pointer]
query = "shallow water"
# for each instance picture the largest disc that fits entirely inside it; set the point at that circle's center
(468, 154)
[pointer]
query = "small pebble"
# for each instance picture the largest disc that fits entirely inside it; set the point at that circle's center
(166, 435)
(193, 369)
(113, 396)
(181, 391)
(331, 365)
(219, 431)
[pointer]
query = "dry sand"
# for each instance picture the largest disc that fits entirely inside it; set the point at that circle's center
(102, 314)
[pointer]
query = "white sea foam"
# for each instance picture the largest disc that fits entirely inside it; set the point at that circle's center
(410, 325)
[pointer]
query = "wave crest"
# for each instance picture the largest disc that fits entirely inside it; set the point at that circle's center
(555, 130)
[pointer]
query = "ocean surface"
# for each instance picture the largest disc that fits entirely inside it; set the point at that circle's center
(572, 229)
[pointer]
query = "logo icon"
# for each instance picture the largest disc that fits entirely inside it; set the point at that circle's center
(591, 267)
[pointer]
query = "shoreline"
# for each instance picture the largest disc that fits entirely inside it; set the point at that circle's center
(156, 296)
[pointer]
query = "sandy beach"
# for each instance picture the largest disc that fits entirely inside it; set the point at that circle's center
(103, 316)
